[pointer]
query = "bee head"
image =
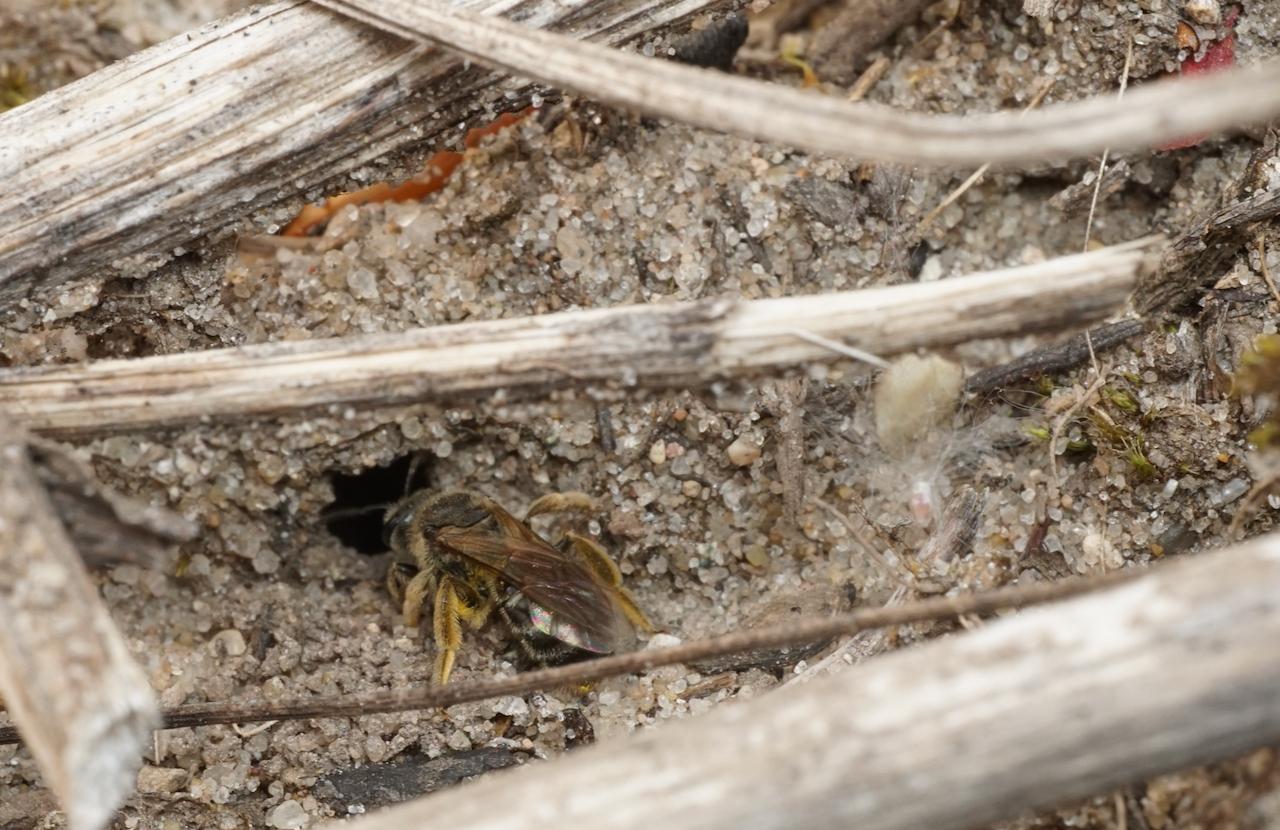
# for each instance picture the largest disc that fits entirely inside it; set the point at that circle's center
(430, 511)
(398, 519)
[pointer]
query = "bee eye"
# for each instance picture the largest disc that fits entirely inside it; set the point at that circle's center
(398, 519)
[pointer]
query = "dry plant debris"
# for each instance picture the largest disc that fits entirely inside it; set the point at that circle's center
(599, 208)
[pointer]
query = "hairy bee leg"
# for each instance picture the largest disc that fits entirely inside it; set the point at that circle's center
(415, 594)
(448, 629)
(560, 503)
(602, 564)
(398, 576)
(450, 612)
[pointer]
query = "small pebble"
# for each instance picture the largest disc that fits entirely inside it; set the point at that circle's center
(288, 815)
(363, 284)
(266, 561)
(230, 642)
(510, 706)
(1204, 12)
(663, 640)
(743, 452)
(153, 780)
(575, 249)
(658, 452)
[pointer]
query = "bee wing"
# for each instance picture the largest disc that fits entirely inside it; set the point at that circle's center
(566, 588)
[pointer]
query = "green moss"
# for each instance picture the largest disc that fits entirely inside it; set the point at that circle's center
(1138, 461)
(1038, 432)
(1121, 399)
(1079, 446)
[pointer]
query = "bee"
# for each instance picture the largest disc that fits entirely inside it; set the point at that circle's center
(562, 602)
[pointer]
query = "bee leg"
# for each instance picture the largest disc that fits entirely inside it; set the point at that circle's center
(398, 576)
(412, 594)
(448, 629)
(560, 503)
(452, 609)
(404, 580)
(603, 566)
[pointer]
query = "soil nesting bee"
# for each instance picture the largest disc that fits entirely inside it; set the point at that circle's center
(563, 602)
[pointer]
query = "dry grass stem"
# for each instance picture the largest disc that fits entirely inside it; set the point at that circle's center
(118, 169)
(769, 112)
(655, 345)
(835, 346)
(799, 632)
(66, 676)
(1102, 163)
(868, 79)
(1062, 420)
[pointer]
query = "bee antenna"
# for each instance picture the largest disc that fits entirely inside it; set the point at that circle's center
(414, 466)
(348, 512)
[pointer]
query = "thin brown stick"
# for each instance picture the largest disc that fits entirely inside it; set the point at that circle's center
(856, 647)
(868, 79)
(1055, 357)
(792, 634)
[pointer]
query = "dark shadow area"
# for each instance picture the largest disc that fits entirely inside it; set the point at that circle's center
(361, 499)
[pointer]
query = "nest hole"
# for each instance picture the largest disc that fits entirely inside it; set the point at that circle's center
(361, 499)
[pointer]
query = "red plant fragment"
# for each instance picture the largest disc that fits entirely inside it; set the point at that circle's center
(436, 172)
(1219, 55)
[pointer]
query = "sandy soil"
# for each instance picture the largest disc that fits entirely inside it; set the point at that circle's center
(584, 206)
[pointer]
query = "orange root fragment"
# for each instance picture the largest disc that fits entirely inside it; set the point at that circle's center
(436, 172)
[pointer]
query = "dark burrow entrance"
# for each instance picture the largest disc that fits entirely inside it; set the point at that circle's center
(361, 499)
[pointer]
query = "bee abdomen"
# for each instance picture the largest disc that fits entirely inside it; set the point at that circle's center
(539, 648)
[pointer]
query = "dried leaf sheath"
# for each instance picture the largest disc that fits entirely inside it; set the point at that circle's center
(190, 137)
(662, 344)
(68, 680)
